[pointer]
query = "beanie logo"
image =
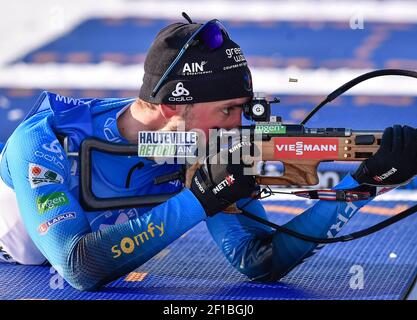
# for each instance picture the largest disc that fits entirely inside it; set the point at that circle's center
(179, 93)
(180, 90)
(195, 68)
(236, 54)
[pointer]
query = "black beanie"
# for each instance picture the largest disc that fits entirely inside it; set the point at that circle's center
(200, 75)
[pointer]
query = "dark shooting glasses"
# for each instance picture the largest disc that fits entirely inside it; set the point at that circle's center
(210, 36)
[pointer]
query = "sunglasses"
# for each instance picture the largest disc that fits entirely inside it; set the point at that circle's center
(210, 35)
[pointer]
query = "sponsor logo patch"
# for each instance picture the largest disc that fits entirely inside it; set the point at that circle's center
(239, 146)
(386, 175)
(270, 129)
(108, 131)
(49, 158)
(44, 227)
(306, 148)
(128, 245)
(54, 148)
(227, 182)
(180, 94)
(110, 218)
(40, 176)
(236, 54)
(195, 68)
(68, 100)
(51, 201)
(200, 187)
(167, 143)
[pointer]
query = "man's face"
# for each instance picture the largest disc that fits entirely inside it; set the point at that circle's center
(225, 114)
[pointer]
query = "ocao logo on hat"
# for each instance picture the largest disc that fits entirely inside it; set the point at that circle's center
(180, 93)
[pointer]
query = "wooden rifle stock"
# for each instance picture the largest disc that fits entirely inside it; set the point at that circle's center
(301, 170)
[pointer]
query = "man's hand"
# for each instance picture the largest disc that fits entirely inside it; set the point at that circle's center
(217, 186)
(396, 160)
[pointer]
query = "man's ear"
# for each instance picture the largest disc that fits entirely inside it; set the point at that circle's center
(169, 110)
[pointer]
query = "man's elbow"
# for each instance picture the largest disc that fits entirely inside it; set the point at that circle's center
(79, 278)
(252, 260)
(83, 269)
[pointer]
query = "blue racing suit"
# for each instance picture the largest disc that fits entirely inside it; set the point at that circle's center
(90, 249)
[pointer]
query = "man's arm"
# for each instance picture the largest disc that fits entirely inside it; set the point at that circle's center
(246, 244)
(261, 253)
(59, 227)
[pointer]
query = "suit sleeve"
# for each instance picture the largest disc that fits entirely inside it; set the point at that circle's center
(261, 253)
(58, 224)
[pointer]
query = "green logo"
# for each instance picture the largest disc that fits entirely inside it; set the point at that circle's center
(270, 129)
(51, 201)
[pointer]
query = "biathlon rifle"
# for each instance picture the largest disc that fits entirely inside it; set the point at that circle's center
(299, 148)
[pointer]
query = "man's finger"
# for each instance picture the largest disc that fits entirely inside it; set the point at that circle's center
(387, 136)
(410, 141)
(398, 141)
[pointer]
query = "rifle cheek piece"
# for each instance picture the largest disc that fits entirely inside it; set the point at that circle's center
(88, 200)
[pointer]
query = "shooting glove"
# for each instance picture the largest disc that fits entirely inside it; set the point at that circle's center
(395, 162)
(218, 185)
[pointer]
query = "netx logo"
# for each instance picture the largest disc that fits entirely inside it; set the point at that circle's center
(180, 93)
(227, 182)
